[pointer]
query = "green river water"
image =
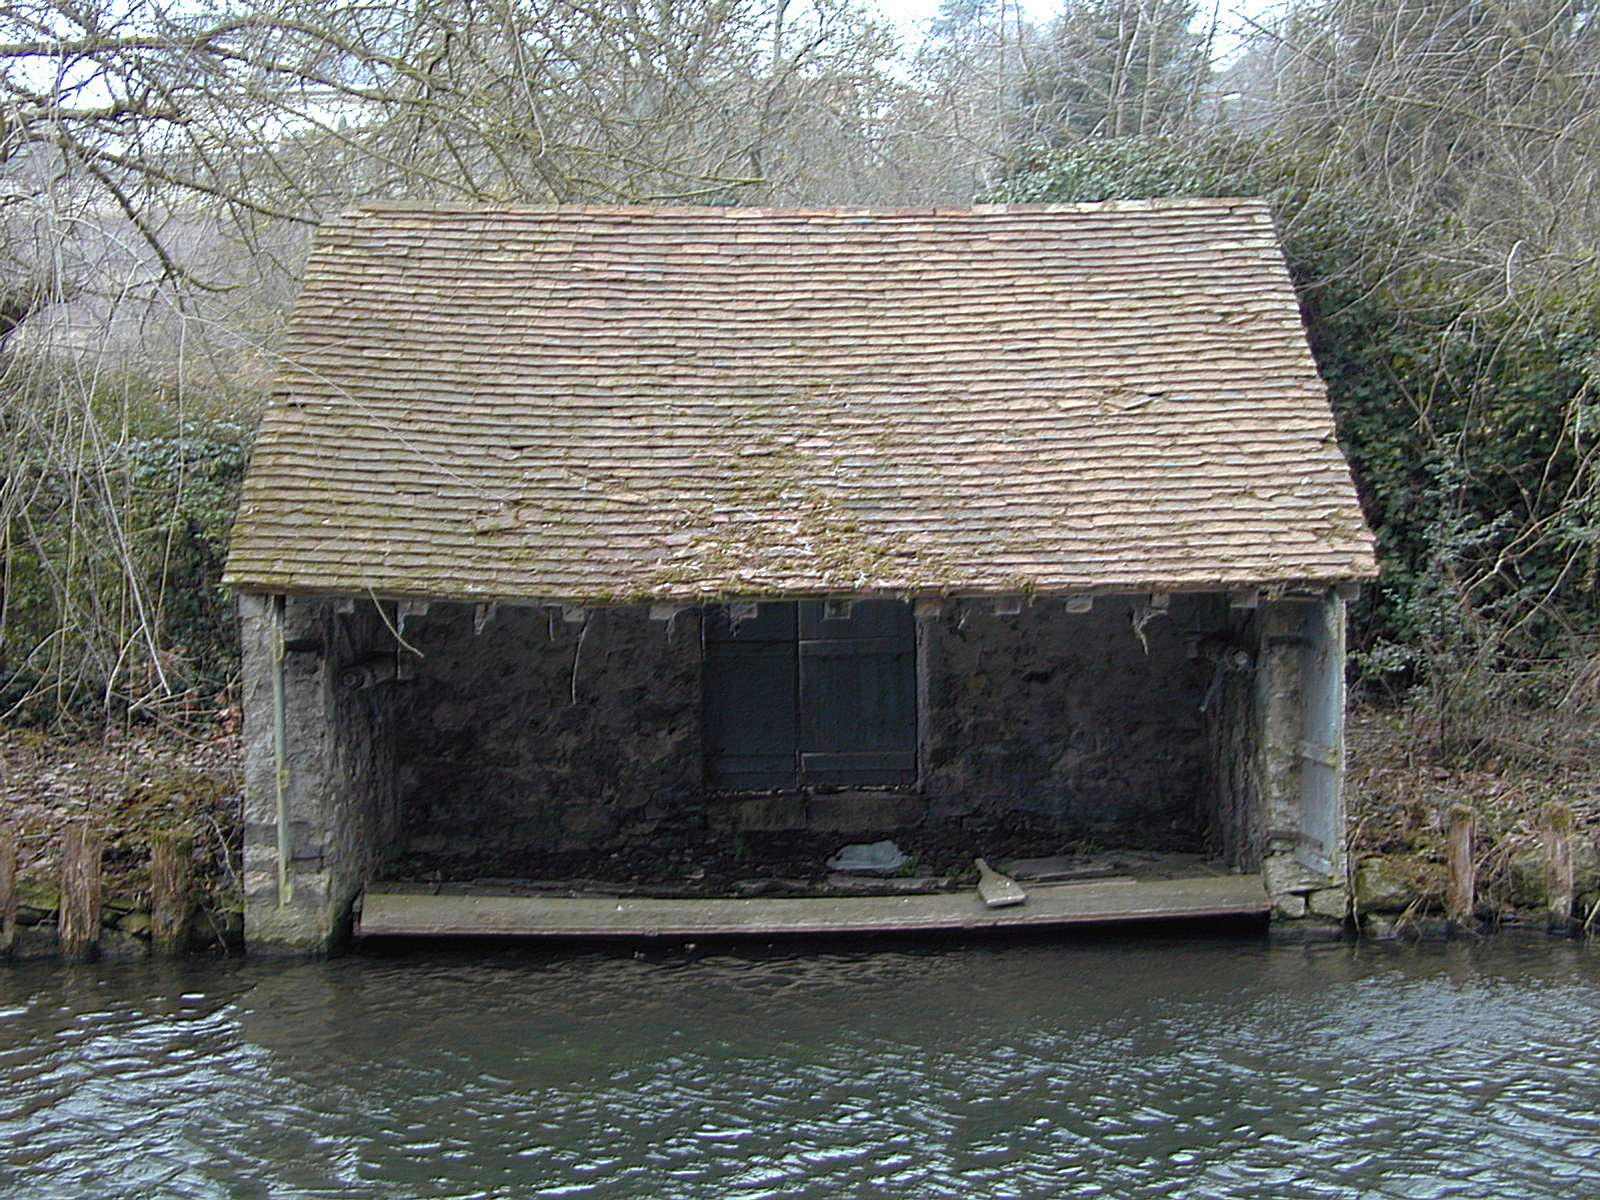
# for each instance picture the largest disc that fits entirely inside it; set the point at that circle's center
(1120, 1068)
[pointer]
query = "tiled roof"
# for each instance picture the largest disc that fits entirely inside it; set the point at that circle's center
(589, 404)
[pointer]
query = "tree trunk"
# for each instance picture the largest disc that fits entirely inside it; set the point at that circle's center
(171, 893)
(8, 891)
(1462, 899)
(78, 923)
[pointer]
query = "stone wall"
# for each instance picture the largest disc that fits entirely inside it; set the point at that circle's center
(540, 734)
(1231, 810)
(1297, 890)
(1067, 716)
(524, 731)
(339, 787)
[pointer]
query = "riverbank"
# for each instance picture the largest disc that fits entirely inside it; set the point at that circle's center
(130, 785)
(127, 787)
(1540, 768)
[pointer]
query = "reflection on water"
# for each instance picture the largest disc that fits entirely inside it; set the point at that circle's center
(1136, 1068)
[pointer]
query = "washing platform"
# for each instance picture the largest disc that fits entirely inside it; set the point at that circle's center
(467, 911)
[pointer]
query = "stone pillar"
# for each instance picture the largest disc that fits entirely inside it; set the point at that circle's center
(1300, 729)
(338, 782)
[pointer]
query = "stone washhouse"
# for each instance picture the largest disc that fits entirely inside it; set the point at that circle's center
(568, 529)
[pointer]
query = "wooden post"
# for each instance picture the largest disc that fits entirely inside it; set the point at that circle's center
(1555, 837)
(1462, 899)
(78, 922)
(171, 893)
(8, 891)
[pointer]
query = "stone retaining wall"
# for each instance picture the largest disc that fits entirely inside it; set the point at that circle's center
(125, 925)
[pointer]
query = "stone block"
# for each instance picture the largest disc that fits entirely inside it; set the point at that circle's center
(1526, 884)
(1283, 873)
(865, 812)
(261, 885)
(135, 923)
(1394, 882)
(1429, 929)
(1383, 929)
(312, 889)
(274, 933)
(116, 945)
(783, 813)
(1333, 903)
(1585, 865)
(1309, 931)
(1289, 905)
(261, 835)
(35, 942)
(40, 896)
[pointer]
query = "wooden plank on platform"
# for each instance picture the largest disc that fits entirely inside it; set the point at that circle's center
(997, 890)
(1058, 868)
(408, 914)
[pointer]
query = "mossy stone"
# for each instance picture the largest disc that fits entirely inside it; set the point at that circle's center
(1526, 883)
(135, 923)
(1585, 865)
(1290, 906)
(1333, 903)
(32, 893)
(1394, 882)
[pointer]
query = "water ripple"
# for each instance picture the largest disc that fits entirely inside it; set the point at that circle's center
(1137, 1069)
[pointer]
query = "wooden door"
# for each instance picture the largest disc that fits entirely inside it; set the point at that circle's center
(858, 694)
(796, 695)
(752, 737)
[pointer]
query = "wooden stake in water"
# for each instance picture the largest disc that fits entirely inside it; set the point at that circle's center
(1555, 838)
(171, 893)
(8, 891)
(1461, 901)
(78, 922)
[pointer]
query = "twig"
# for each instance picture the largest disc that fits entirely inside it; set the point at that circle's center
(390, 625)
(577, 654)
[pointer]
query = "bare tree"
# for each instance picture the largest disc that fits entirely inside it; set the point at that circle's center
(1484, 119)
(1120, 68)
(161, 164)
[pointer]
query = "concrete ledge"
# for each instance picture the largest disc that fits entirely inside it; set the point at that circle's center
(396, 911)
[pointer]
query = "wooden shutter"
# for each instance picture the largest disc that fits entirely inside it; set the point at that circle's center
(858, 694)
(751, 727)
